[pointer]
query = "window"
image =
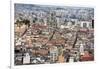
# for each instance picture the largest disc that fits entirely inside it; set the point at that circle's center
(84, 25)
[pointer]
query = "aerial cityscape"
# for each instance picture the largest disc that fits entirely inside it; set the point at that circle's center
(47, 34)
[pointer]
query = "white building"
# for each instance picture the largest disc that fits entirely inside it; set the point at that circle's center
(85, 24)
(26, 59)
(71, 59)
(53, 53)
(81, 49)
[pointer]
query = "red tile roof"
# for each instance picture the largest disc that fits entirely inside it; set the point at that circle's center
(37, 26)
